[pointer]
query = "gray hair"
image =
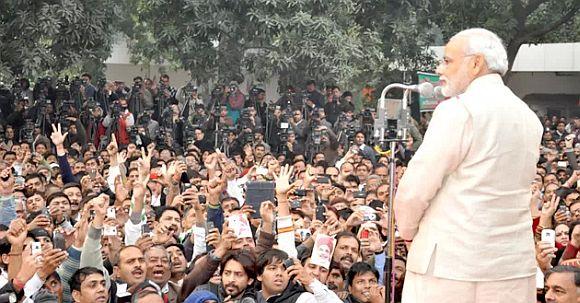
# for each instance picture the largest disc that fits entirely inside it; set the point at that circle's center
(487, 43)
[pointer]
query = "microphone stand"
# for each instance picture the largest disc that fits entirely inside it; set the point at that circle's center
(401, 136)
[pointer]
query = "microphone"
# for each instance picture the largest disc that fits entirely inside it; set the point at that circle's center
(425, 89)
(438, 93)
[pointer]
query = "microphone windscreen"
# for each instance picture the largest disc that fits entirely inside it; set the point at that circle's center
(425, 89)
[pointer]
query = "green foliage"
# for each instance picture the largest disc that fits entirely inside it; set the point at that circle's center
(45, 37)
(348, 42)
(295, 39)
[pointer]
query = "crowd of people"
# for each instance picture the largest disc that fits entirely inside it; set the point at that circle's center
(153, 194)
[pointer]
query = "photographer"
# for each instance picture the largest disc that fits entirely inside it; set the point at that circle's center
(332, 108)
(313, 94)
(299, 125)
(76, 132)
(199, 116)
(107, 95)
(188, 94)
(290, 100)
(88, 90)
(119, 120)
(140, 98)
(234, 101)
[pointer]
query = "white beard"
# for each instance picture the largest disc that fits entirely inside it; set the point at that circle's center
(456, 86)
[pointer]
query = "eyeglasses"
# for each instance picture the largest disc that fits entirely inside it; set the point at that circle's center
(446, 60)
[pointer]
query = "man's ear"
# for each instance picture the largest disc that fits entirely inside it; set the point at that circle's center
(250, 281)
(259, 278)
(5, 258)
(76, 295)
(115, 272)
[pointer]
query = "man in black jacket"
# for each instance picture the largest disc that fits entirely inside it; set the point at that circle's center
(277, 285)
(238, 273)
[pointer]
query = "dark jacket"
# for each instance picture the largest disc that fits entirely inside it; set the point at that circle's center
(249, 295)
(290, 295)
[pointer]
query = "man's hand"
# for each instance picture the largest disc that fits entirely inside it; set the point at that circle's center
(113, 148)
(144, 242)
(99, 205)
(17, 232)
(268, 212)
(355, 219)
(569, 140)
(227, 239)
(28, 266)
(283, 185)
(544, 255)
(51, 260)
(213, 237)
(58, 137)
(40, 221)
(377, 294)
(549, 208)
(300, 274)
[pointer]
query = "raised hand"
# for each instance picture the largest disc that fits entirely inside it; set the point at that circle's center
(544, 255)
(268, 212)
(57, 136)
(283, 185)
(113, 148)
(145, 160)
(549, 208)
(52, 259)
(17, 232)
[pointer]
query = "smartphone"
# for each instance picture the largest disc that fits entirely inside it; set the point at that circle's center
(111, 213)
(59, 241)
(110, 230)
(36, 248)
(563, 164)
(320, 210)
(288, 262)
(364, 234)
(370, 217)
(19, 181)
(92, 173)
(46, 213)
(145, 229)
(300, 192)
(549, 235)
(295, 204)
(209, 225)
(186, 186)
(359, 194)
(322, 180)
(92, 214)
(258, 192)
(201, 199)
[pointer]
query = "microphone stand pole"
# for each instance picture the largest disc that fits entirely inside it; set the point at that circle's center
(401, 136)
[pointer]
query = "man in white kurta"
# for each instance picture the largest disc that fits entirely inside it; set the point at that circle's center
(463, 203)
